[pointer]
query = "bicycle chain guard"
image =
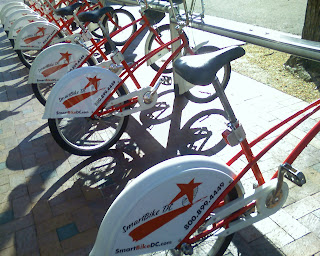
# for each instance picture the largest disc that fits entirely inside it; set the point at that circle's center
(140, 106)
(261, 196)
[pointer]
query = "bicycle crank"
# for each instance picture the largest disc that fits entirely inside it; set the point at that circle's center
(261, 196)
(139, 106)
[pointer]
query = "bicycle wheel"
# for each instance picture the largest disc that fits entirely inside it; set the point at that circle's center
(208, 246)
(42, 91)
(124, 18)
(206, 93)
(28, 56)
(85, 136)
(155, 42)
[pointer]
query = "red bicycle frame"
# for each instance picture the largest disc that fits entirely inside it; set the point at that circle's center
(129, 70)
(246, 150)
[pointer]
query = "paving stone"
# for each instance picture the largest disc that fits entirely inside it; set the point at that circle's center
(4, 188)
(3, 166)
(67, 231)
(293, 227)
(312, 222)
(21, 206)
(279, 237)
(73, 192)
(81, 252)
(7, 241)
(53, 223)
(49, 244)
(68, 206)
(17, 178)
(41, 211)
(303, 207)
(19, 191)
(35, 184)
(11, 251)
(91, 193)
(264, 247)
(307, 246)
(84, 219)
(6, 217)
(46, 175)
(26, 241)
(317, 213)
(80, 240)
(28, 161)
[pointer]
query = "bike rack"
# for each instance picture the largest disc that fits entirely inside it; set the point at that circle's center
(264, 37)
(268, 38)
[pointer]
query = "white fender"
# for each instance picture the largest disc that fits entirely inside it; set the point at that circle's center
(56, 61)
(10, 10)
(22, 22)
(5, 7)
(35, 35)
(80, 92)
(16, 15)
(160, 206)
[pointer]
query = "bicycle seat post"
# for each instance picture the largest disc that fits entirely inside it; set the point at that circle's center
(225, 103)
(106, 34)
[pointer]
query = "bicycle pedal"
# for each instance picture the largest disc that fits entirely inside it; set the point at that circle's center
(166, 80)
(294, 175)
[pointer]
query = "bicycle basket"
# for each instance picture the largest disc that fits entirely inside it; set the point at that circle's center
(154, 17)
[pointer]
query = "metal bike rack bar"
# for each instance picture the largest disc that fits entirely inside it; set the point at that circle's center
(244, 32)
(259, 36)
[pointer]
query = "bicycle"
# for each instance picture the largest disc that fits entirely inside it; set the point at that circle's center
(102, 113)
(48, 68)
(193, 205)
(30, 41)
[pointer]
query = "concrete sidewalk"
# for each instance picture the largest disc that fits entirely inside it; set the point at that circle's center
(52, 203)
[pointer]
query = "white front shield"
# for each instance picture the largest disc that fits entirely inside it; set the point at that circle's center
(35, 35)
(5, 7)
(21, 23)
(160, 207)
(10, 10)
(80, 92)
(56, 61)
(16, 15)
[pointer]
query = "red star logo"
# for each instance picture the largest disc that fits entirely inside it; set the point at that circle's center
(186, 189)
(65, 56)
(41, 29)
(30, 21)
(92, 81)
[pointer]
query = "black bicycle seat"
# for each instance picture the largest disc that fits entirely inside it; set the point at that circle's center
(175, 1)
(153, 16)
(94, 16)
(201, 69)
(68, 10)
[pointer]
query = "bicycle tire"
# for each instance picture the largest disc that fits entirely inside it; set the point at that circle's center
(206, 93)
(41, 91)
(124, 17)
(88, 136)
(165, 34)
(207, 247)
(28, 56)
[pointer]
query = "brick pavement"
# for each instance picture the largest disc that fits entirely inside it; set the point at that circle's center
(51, 202)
